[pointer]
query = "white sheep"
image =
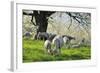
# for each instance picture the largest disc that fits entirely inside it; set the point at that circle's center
(57, 43)
(47, 46)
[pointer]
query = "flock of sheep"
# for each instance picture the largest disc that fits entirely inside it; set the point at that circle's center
(53, 42)
(54, 46)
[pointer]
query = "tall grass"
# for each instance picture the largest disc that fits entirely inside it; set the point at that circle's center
(33, 51)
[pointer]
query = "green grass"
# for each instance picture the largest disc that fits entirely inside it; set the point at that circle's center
(33, 51)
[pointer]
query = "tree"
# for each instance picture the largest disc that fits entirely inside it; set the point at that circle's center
(41, 19)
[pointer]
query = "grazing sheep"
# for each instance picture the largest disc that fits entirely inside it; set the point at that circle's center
(42, 36)
(81, 43)
(51, 36)
(27, 35)
(67, 39)
(47, 46)
(57, 43)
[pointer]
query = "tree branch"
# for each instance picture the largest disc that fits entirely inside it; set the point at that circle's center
(79, 19)
(32, 19)
(70, 23)
(30, 14)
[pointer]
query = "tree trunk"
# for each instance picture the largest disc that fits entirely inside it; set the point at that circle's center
(41, 21)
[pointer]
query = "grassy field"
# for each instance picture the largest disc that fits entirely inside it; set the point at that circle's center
(33, 51)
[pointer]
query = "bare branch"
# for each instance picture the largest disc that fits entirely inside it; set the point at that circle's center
(32, 19)
(70, 23)
(80, 19)
(30, 14)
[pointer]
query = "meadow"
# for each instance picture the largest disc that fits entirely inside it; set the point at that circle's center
(33, 51)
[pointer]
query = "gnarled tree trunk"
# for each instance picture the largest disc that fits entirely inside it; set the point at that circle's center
(41, 21)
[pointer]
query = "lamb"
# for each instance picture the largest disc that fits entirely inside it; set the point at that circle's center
(54, 46)
(67, 40)
(69, 37)
(57, 43)
(47, 46)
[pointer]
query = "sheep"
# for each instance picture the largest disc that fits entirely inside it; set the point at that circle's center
(81, 43)
(67, 39)
(27, 35)
(57, 43)
(51, 36)
(42, 36)
(47, 46)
